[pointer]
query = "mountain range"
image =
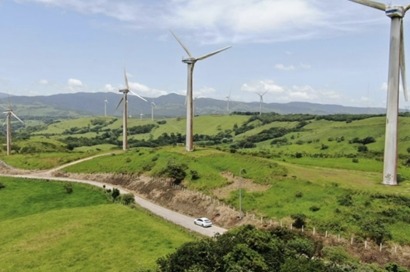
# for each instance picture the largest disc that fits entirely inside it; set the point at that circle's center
(170, 105)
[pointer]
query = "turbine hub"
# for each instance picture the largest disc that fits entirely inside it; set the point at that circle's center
(124, 91)
(395, 11)
(189, 60)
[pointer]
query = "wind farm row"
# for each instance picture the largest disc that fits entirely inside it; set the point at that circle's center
(397, 71)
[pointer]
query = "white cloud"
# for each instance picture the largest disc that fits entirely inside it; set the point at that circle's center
(43, 82)
(283, 67)
(262, 86)
(144, 90)
(109, 88)
(218, 21)
(74, 84)
(383, 87)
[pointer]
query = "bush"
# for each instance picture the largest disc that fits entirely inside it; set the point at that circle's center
(127, 199)
(299, 195)
(2, 186)
(300, 220)
(115, 193)
(194, 175)
(174, 171)
(68, 188)
(314, 208)
(345, 200)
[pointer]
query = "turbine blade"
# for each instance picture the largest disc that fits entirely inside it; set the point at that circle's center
(372, 4)
(403, 63)
(140, 97)
(213, 53)
(182, 45)
(122, 98)
(15, 116)
(126, 80)
(406, 8)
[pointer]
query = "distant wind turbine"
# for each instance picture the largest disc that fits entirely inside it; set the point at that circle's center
(125, 111)
(153, 105)
(397, 70)
(260, 101)
(190, 61)
(105, 107)
(228, 100)
(9, 113)
(141, 115)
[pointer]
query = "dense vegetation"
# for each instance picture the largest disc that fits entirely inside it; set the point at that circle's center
(250, 249)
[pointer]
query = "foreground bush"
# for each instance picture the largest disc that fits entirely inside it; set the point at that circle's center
(251, 249)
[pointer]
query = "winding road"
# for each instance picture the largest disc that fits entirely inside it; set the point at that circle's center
(177, 218)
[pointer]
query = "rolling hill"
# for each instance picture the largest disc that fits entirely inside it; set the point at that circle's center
(170, 105)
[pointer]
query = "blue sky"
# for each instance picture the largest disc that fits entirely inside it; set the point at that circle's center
(322, 51)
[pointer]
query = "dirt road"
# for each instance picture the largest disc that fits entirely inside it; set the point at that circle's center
(172, 216)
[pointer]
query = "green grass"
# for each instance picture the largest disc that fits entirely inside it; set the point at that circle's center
(210, 165)
(42, 161)
(46, 229)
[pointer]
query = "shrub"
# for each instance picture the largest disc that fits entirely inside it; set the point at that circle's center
(376, 231)
(68, 188)
(127, 199)
(355, 160)
(299, 194)
(345, 200)
(314, 208)
(362, 148)
(174, 171)
(115, 193)
(300, 220)
(2, 186)
(194, 175)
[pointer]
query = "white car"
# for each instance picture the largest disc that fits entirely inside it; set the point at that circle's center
(203, 221)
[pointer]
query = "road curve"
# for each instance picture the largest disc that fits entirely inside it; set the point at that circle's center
(172, 216)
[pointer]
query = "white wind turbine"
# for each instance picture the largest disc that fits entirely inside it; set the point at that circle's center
(9, 113)
(125, 111)
(105, 107)
(153, 105)
(190, 61)
(228, 100)
(396, 67)
(260, 101)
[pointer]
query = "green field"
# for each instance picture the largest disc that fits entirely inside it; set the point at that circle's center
(46, 229)
(322, 157)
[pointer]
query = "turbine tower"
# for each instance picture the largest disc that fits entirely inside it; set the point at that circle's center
(396, 67)
(105, 107)
(228, 99)
(190, 61)
(153, 105)
(260, 101)
(9, 113)
(125, 111)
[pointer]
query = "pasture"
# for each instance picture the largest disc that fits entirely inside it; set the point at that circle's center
(46, 229)
(318, 158)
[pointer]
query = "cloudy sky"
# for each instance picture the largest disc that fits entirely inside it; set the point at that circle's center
(332, 51)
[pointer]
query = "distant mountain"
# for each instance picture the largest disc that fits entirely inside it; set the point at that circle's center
(170, 105)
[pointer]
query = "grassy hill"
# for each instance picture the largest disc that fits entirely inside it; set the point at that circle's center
(324, 158)
(46, 229)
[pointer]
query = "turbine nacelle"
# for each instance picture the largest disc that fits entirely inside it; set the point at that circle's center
(395, 11)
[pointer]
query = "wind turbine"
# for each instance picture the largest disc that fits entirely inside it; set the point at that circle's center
(9, 113)
(396, 67)
(153, 105)
(125, 110)
(190, 61)
(228, 99)
(105, 107)
(260, 101)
